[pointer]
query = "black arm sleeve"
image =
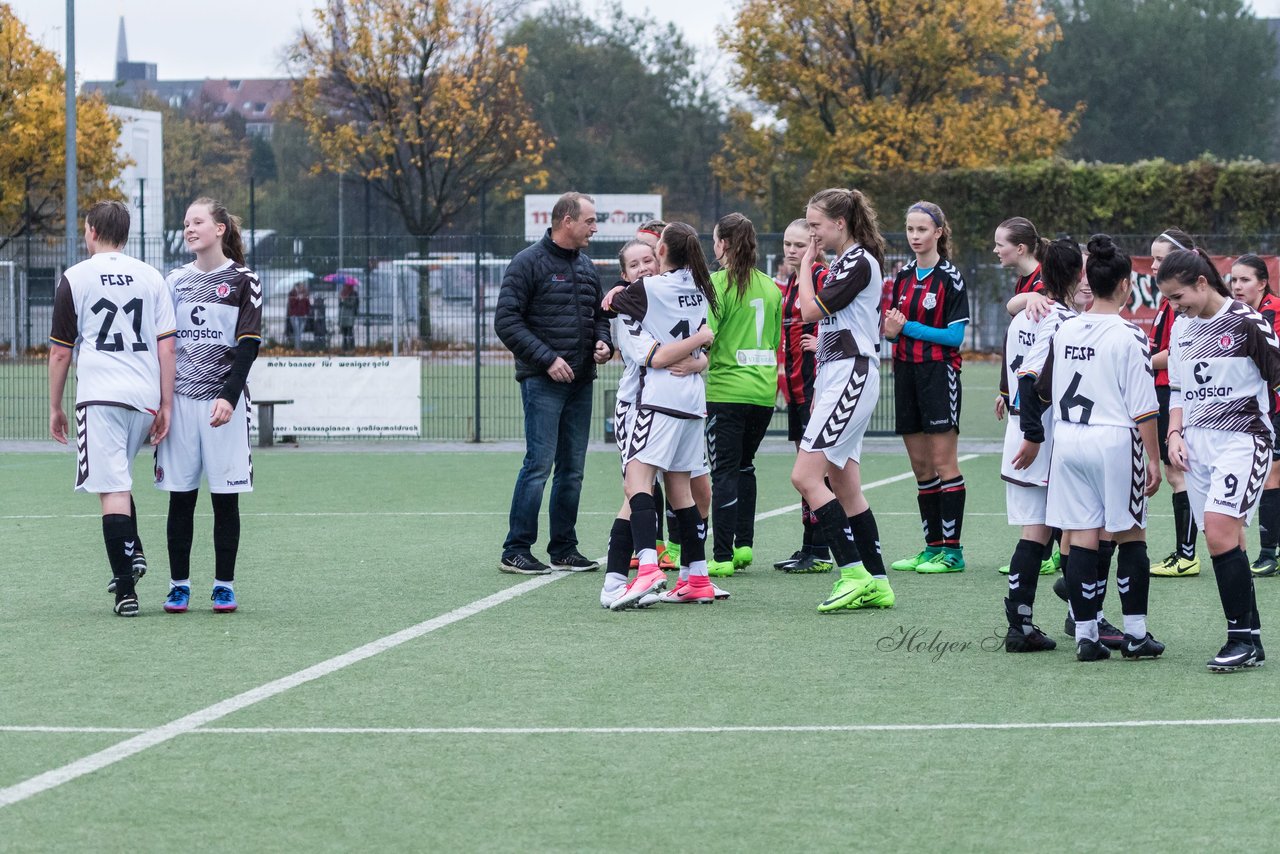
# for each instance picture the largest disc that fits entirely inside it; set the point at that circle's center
(1030, 408)
(246, 352)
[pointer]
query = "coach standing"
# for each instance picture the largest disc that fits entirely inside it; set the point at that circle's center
(549, 317)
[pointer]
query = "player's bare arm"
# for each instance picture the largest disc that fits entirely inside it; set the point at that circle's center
(59, 364)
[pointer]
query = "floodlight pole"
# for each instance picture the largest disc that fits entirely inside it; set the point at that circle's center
(72, 179)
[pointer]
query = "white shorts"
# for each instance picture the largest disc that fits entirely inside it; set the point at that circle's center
(666, 442)
(1025, 505)
(843, 403)
(193, 447)
(1228, 470)
(1097, 478)
(623, 414)
(107, 440)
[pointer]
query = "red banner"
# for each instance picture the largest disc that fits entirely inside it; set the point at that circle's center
(1145, 295)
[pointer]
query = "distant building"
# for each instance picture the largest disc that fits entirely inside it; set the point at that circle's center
(142, 182)
(257, 101)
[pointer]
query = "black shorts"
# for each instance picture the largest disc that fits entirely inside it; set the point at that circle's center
(1275, 445)
(1162, 422)
(797, 420)
(926, 397)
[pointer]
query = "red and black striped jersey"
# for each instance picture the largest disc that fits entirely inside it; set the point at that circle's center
(1030, 283)
(798, 366)
(937, 300)
(1160, 335)
(1270, 309)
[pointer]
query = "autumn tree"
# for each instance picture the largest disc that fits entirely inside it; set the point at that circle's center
(33, 128)
(421, 99)
(881, 84)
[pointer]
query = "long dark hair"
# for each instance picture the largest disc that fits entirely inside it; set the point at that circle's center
(860, 218)
(1022, 232)
(1107, 267)
(935, 213)
(684, 251)
(1177, 238)
(739, 236)
(232, 244)
(1259, 267)
(1186, 265)
(1060, 268)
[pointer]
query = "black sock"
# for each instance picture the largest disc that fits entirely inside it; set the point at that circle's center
(659, 501)
(1256, 621)
(1235, 589)
(618, 561)
(1024, 572)
(693, 531)
(1185, 525)
(929, 500)
(1082, 583)
(745, 534)
(673, 527)
(1133, 578)
(867, 536)
(951, 502)
(1054, 540)
(837, 533)
(1269, 522)
(1063, 559)
(1106, 551)
(120, 536)
(180, 530)
(226, 534)
(644, 522)
(814, 543)
(133, 514)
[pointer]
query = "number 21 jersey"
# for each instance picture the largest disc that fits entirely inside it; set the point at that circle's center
(116, 308)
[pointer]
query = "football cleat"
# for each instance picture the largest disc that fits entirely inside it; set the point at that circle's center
(721, 593)
(878, 594)
(1091, 650)
(947, 560)
(1019, 641)
(703, 593)
(1109, 635)
(742, 557)
(846, 590)
(127, 605)
(1264, 566)
(1176, 567)
(651, 580)
(785, 563)
(911, 564)
(178, 599)
(1259, 656)
(139, 570)
(1233, 656)
(1135, 648)
(808, 564)
(224, 599)
(720, 568)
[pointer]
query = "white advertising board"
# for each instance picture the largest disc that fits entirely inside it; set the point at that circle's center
(618, 216)
(340, 396)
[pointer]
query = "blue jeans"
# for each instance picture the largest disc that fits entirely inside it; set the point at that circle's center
(557, 422)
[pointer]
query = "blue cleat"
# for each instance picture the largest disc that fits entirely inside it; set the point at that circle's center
(176, 602)
(224, 600)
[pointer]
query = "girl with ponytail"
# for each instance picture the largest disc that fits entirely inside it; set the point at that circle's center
(742, 385)
(218, 303)
(845, 392)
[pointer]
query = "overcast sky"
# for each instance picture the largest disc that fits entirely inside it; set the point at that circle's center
(243, 38)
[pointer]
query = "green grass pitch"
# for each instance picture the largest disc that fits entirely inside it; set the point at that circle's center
(341, 549)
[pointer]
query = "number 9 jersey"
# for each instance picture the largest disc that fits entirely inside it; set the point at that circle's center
(115, 308)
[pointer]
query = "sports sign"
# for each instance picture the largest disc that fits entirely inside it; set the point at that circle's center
(340, 396)
(618, 216)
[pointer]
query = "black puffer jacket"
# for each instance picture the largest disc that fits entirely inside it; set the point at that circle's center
(549, 306)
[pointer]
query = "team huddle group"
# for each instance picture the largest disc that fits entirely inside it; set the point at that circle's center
(1094, 406)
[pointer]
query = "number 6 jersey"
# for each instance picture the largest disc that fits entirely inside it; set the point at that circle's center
(1099, 372)
(115, 308)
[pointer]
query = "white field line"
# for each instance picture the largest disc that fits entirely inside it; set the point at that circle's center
(194, 721)
(658, 730)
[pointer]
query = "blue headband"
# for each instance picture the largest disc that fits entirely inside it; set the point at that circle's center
(926, 212)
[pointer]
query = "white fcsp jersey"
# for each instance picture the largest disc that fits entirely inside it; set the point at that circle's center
(850, 303)
(1100, 372)
(667, 308)
(117, 309)
(634, 349)
(1026, 348)
(1222, 370)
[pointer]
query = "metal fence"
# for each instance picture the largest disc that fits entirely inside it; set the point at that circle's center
(433, 298)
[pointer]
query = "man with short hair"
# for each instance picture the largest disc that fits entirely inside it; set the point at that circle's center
(117, 311)
(549, 316)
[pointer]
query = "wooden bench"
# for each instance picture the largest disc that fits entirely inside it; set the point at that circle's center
(267, 420)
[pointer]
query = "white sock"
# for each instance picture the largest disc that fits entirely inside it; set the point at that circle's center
(1087, 630)
(684, 573)
(647, 557)
(1136, 625)
(698, 568)
(613, 581)
(186, 582)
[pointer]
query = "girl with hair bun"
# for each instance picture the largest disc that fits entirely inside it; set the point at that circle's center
(1224, 368)
(1097, 378)
(848, 384)
(1251, 284)
(926, 321)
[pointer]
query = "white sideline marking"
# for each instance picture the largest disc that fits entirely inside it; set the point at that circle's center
(194, 721)
(159, 735)
(791, 508)
(70, 729)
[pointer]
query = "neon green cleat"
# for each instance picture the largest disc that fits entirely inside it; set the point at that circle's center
(849, 588)
(1004, 570)
(909, 564)
(948, 560)
(742, 557)
(1053, 564)
(877, 594)
(673, 552)
(720, 568)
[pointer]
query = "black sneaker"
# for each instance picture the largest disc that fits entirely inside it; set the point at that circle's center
(1060, 588)
(1018, 640)
(795, 558)
(1234, 655)
(1069, 626)
(1259, 656)
(523, 564)
(1109, 635)
(1091, 650)
(1147, 647)
(808, 563)
(139, 570)
(1264, 566)
(127, 605)
(574, 562)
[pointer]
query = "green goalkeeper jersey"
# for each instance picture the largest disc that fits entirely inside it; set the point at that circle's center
(743, 362)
